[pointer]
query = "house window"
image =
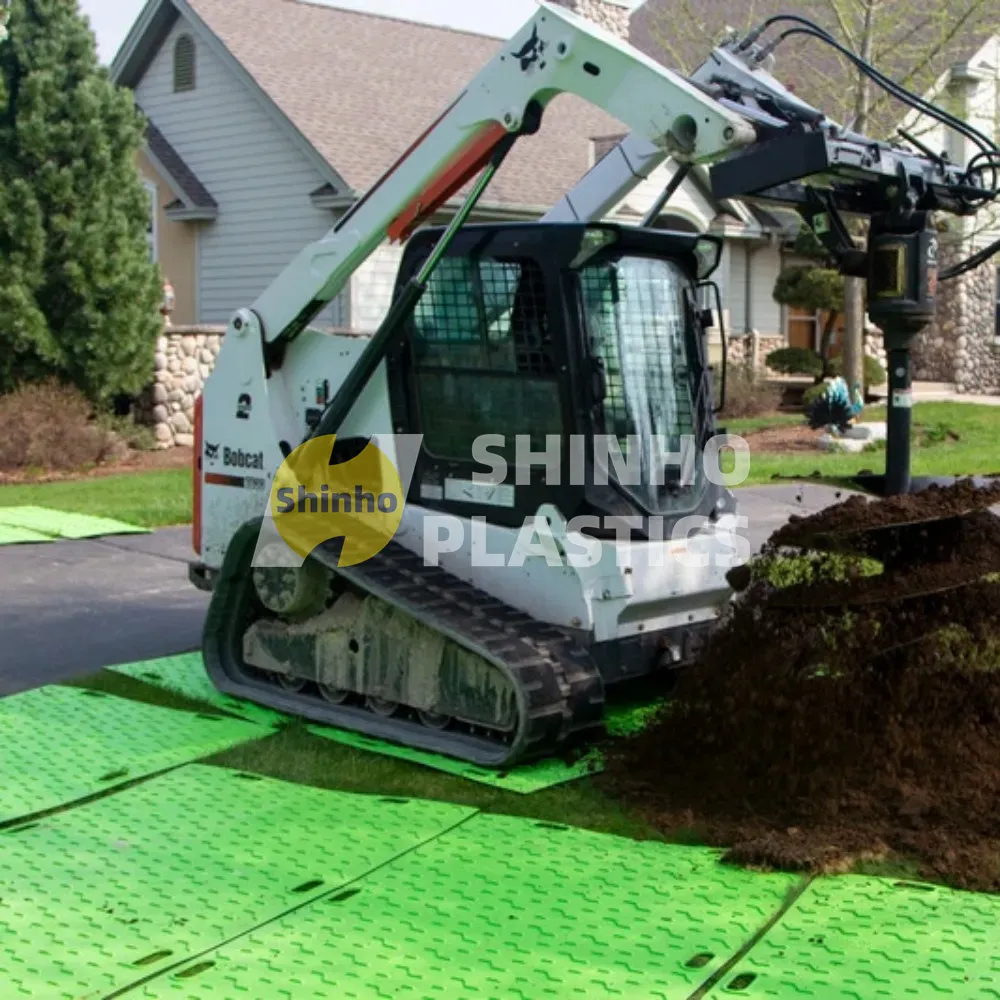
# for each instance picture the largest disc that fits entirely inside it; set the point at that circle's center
(151, 225)
(184, 64)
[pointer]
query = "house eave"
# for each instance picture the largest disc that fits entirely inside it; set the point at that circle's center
(186, 213)
(134, 54)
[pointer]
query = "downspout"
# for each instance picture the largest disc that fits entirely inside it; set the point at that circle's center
(748, 288)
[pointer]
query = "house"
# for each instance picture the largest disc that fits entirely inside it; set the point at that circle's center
(269, 118)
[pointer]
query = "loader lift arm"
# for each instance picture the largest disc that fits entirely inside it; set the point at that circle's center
(556, 52)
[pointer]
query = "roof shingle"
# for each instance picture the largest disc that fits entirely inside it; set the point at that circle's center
(168, 157)
(362, 88)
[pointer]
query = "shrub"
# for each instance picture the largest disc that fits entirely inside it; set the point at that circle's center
(795, 361)
(136, 436)
(812, 394)
(875, 374)
(51, 426)
(749, 396)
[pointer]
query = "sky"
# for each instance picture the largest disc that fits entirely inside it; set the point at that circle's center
(111, 19)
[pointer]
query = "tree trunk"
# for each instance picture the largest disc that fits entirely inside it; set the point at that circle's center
(854, 292)
(824, 344)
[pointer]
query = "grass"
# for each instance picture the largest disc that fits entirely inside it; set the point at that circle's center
(293, 754)
(936, 452)
(147, 499)
(163, 498)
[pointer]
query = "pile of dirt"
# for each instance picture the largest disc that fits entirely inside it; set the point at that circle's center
(825, 729)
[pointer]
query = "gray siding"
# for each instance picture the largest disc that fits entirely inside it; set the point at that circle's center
(252, 168)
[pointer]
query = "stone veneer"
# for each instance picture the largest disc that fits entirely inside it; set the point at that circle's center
(185, 357)
(753, 349)
(960, 347)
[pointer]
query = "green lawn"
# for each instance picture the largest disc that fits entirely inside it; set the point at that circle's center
(158, 499)
(146, 499)
(936, 453)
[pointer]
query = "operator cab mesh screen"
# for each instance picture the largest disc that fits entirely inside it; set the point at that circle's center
(482, 351)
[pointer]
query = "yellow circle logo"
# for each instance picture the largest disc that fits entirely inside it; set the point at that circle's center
(314, 501)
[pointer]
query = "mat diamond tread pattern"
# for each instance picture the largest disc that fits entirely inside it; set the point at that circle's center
(857, 938)
(102, 896)
(186, 675)
(502, 909)
(48, 524)
(61, 744)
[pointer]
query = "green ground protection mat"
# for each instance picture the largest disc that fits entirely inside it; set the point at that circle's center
(853, 938)
(186, 675)
(11, 535)
(62, 744)
(525, 779)
(48, 525)
(100, 897)
(621, 721)
(502, 909)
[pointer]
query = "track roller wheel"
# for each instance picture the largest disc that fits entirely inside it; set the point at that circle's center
(334, 695)
(292, 684)
(433, 720)
(383, 707)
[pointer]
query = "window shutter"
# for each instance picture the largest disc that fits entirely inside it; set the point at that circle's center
(184, 64)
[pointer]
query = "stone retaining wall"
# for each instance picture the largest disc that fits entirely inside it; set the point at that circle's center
(185, 356)
(960, 346)
(753, 349)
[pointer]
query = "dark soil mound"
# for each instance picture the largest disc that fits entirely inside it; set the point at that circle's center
(823, 729)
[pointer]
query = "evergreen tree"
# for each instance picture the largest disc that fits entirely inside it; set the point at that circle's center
(79, 296)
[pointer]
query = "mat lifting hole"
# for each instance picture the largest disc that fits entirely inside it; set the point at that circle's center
(396, 802)
(93, 694)
(919, 886)
(741, 982)
(551, 826)
(345, 895)
(114, 775)
(249, 777)
(157, 956)
(194, 970)
(699, 961)
(308, 886)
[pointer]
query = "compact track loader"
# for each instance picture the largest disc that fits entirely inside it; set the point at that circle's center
(569, 330)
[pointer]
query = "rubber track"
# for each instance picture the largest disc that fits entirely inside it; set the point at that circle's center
(559, 688)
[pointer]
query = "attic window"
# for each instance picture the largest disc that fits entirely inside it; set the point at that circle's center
(184, 64)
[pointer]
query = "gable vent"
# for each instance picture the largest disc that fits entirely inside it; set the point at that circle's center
(184, 64)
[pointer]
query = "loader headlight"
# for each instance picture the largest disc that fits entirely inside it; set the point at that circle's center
(709, 254)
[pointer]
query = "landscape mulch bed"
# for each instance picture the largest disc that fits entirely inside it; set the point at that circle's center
(785, 439)
(134, 461)
(812, 736)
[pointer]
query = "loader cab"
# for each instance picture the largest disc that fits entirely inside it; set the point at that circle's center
(580, 347)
